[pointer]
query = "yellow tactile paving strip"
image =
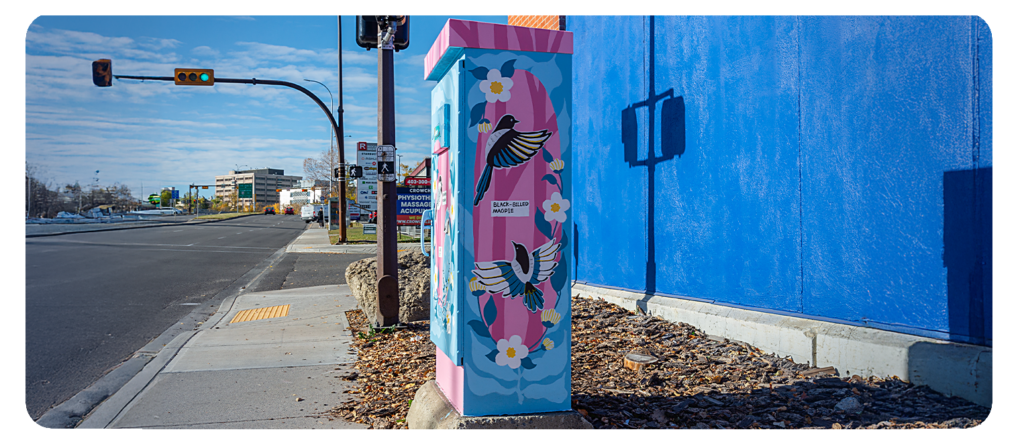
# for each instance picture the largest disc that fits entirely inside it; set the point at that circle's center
(263, 313)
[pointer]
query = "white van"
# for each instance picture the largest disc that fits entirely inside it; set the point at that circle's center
(308, 213)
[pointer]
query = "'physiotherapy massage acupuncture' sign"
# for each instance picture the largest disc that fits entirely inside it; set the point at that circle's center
(411, 204)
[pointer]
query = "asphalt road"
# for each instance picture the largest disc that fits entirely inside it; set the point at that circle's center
(94, 299)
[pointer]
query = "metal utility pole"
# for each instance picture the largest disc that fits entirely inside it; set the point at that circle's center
(387, 234)
(342, 182)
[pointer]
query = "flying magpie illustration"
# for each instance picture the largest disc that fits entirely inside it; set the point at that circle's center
(507, 148)
(521, 275)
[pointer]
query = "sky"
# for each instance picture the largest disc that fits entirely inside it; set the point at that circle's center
(154, 134)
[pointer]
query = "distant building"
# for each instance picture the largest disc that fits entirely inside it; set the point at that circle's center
(265, 183)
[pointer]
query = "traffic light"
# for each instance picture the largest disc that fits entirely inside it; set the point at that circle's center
(367, 27)
(193, 77)
(102, 72)
(355, 172)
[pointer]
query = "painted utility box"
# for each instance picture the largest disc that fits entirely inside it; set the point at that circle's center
(501, 254)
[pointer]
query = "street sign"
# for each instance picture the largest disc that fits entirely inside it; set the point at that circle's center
(174, 194)
(386, 163)
(245, 190)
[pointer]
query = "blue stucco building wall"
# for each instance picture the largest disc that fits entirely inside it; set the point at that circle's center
(837, 168)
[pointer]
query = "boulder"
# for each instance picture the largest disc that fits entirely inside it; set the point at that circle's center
(413, 286)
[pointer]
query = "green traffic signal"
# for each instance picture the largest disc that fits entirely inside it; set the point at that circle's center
(193, 77)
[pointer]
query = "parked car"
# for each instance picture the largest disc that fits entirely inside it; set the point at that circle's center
(308, 213)
(373, 217)
(269, 210)
(289, 211)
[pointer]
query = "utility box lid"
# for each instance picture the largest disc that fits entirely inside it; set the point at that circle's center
(458, 35)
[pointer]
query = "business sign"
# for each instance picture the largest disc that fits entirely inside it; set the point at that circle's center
(411, 203)
(417, 181)
(245, 190)
(366, 157)
(369, 229)
(353, 210)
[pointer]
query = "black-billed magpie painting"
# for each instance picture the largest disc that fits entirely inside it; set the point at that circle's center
(521, 275)
(507, 148)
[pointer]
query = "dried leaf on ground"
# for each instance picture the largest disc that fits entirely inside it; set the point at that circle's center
(698, 382)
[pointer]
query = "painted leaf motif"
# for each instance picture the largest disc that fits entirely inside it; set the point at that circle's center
(543, 226)
(547, 156)
(477, 112)
(528, 364)
(490, 311)
(493, 354)
(480, 73)
(550, 178)
(480, 328)
(507, 69)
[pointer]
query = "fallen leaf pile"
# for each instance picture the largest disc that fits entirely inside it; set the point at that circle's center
(392, 365)
(681, 378)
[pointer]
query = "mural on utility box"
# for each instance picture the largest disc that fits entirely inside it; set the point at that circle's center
(516, 345)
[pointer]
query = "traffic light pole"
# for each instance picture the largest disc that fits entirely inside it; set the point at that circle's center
(387, 233)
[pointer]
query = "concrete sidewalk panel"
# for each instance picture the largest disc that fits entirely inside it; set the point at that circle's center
(240, 397)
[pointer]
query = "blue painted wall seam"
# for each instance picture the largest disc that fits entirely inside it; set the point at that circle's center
(799, 157)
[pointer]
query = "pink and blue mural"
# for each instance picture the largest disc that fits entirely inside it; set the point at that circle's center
(500, 308)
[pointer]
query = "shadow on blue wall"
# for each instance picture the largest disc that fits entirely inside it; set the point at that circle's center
(962, 256)
(673, 144)
(983, 237)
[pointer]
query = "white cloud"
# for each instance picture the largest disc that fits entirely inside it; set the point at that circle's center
(205, 51)
(159, 43)
(265, 53)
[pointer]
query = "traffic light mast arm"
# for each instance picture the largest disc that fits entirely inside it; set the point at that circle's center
(270, 82)
(254, 81)
(152, 78)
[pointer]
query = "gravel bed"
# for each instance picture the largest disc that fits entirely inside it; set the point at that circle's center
(695, 381)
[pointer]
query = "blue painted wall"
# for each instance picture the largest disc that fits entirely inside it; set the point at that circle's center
(831, 167)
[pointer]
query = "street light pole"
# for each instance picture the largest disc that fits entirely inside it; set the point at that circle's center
(343, 182)
(331, 174)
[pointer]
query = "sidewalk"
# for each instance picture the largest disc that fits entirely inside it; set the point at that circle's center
(282, 369)
(316, 240)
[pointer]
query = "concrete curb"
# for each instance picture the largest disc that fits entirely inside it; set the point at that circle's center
(949, 368)
(189, 222)
(106, 412)
(431, 410)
